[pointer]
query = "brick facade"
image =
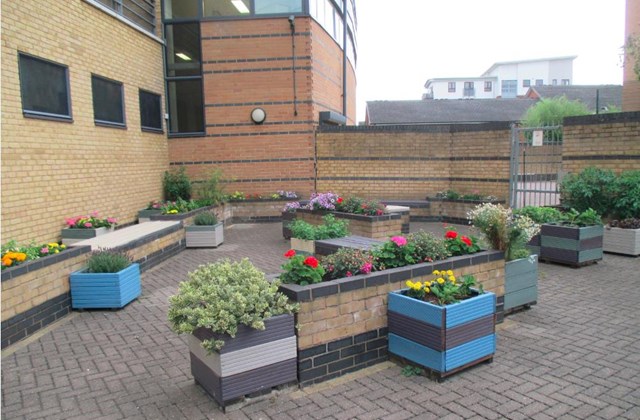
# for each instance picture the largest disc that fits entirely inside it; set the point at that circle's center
(52, 169)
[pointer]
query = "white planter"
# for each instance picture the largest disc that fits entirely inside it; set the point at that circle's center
(303, 246)
(621, 241)
(204, 236)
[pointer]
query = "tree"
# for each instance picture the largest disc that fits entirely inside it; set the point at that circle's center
(552, 111)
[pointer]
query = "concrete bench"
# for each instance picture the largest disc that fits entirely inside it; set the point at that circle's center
(329, 246)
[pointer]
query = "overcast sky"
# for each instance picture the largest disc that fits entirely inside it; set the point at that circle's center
(402, 43)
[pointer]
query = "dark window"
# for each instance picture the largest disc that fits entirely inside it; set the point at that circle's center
(150, 111)
(108, 101)
(488, 86)
(554, 82)
(183, 49)
(185, 106)
(177, 9)
(140, 12)
(539, 82)
(44, 88)
(278, 6)
(526, 83)
(452, 86)
(565, 82)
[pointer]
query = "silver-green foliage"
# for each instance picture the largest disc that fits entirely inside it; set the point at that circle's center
(223, 295)
(549, 112)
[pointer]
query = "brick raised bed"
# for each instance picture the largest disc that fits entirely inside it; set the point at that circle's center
(454, 211)
(343, 323)
(376, 227)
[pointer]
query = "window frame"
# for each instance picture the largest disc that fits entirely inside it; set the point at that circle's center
(105, 123)
(451, 87)
(146, 128)
(28, 113)
(488, 86)
(526, 83)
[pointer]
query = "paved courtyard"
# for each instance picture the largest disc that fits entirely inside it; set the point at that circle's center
(575, 355)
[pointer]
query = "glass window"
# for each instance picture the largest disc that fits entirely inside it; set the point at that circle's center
(565, 82)
(277, 6)
(554, 82)
(183, 49)
(452, 86)
(509, 88)
(185, 106)
(44, 88)
(226, 8)
(539, 82)
(150, 111)
(488, 86)
(108, 101)
(177, 9)
(140, 12)
(526, 83)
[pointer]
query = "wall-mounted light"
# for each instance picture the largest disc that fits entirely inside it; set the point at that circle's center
(239, 4)
(258, 115)
(184, 56)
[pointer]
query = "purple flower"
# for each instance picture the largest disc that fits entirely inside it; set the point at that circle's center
(44, 250)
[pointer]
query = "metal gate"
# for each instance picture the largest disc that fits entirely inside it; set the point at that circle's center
(536, 166)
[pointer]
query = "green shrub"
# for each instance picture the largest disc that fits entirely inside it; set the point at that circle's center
(540, 214)
(593, 188)
(331, 228)
(223, 295)
(427, 247)
(107, 261)
(176, 184)
(205, 219)
(347, 262)
(589, 217)
(627, 202)
(211, 191)
(395, 252)
(302, 230)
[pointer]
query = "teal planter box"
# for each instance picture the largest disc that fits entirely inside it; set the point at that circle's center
(105, 290)
(571, 245)
(520, 282)
(444, 339)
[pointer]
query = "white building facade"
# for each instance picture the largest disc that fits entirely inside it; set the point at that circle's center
(508, 79)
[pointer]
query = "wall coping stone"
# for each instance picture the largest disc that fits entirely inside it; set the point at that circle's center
(612, 118)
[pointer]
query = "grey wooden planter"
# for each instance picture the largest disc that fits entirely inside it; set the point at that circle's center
(520, 283)
(204, 236)
(252, 361)
(145, 215)
(71, 236)
(621, 241)
(571, 245)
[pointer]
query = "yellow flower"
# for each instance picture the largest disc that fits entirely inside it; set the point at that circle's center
(449, 273)
(173, 211)
(436, 273)
(21, 256)
(426, 290)
(417, 286)
(63, 246)
(53, 245)
(452, 279)
(410, 284)
(440, 280)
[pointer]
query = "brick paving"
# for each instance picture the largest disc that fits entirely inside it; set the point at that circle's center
(575, 355)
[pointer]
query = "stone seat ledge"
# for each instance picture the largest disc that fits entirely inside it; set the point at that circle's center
(130, 235)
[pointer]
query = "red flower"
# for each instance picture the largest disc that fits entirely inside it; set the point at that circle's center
(466, 240)
(339, 200)
(311, 262)
(451, 234)
(290, 253)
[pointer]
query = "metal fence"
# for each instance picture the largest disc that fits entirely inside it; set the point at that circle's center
(536, 166)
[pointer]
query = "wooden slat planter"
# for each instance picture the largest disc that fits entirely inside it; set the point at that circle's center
(71, 236)
(571, 245)
(105, 290)
(621, 241)
(252, 361)
(204, 236)
(444, 339)
(534, 245)
(520, 283)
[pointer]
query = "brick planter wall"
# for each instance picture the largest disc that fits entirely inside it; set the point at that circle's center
(454, 211)
(376, 227)
(343, 323)
(256, 211)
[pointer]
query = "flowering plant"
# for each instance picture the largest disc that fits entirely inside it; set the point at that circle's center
(236, 196)
(91, 221)
(396, 252)
(444, 289)
(13, 254)
(323, 201)
(155, 205)
(504, 230)
(180, 206)
(287, 194)
(301, 269)
(459, 244)
(356, 205)
(292, 206)
(347, 262)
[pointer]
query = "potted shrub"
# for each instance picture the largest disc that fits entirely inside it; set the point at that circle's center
(622, 237)
(575, 240)
(510, 233)
(80, 228)
(110, 280)
(206, 231)
(242, 336)
(304, 234)
(444, 325)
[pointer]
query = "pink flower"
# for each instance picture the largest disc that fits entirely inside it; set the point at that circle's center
(366, 268)
(349, 274)
(44, 250)
(399, 240)
(88, 225)
(111, 219)
(94, 213)
(71, 221)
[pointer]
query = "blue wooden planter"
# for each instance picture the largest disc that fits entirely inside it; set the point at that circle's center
(444, 339)
(105, 290)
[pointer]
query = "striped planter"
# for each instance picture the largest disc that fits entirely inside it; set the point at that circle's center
(571, 245)
(105, 290)
(252, 361)
(534, 245)
(444, 339)
(71, 236)
(621, 241)
(520, 282)
(207, 236)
